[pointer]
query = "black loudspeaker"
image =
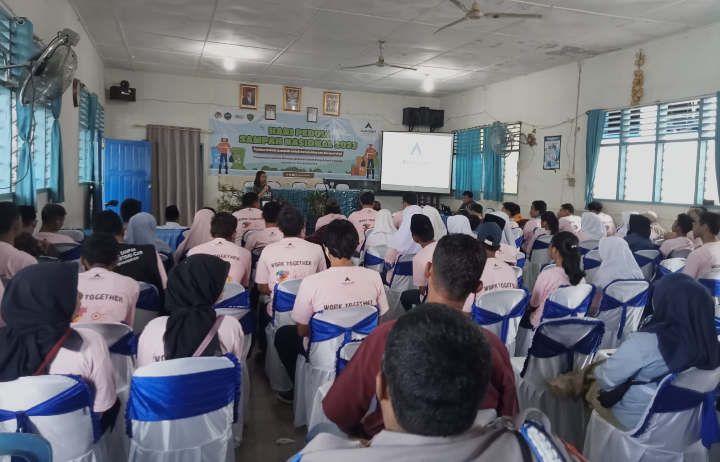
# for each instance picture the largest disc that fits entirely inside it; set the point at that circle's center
(123, 92)
(437, 119)
(411, 116)
(424, 116)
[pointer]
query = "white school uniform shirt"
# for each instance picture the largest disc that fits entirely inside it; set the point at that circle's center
(264, 238)
(171, 225)
(107, 297)
(703, 260)
(53, 238)
(13, 260)
(249, 218)
(240, 259)
(151, 347)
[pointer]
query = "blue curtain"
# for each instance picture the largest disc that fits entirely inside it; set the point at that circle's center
(57, 179)
(595, 126)
(717, 141)
(25, 193)
(493, 165)
(468, 163)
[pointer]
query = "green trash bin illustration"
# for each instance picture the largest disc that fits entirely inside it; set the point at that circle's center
(238, 159)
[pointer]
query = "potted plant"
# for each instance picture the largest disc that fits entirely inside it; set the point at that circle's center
(316, 201)
(230, 198)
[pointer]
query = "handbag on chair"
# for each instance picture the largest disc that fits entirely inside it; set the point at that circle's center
(610, 398)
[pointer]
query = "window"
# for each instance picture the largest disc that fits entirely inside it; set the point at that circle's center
(662, 153)
(92, 125)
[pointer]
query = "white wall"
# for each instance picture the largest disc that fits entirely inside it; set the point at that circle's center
(49, 17)
(186, 101)
(682, 66)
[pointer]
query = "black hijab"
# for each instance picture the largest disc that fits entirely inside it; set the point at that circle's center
(639, 224)
(193, 287)
(684, 321)
(38, 307)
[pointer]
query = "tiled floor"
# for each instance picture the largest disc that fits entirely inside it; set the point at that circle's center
(269, 421)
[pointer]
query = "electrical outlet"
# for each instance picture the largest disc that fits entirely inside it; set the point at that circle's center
(571, 181)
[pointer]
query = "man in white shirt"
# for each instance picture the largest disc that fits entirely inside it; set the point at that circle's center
(250, 216)
(53, 219)
(536, 209)
(12, 260)
(172, 218)
(271, 233)
(596, 207)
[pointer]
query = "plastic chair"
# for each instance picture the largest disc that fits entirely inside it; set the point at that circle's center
(249, 184)
(591, 262)
(519, 274)
(520, 258)
(146, 308)
(322, 187)
(588, 245)
(299, 185)
(621, 310)
(670, 265)
(500, 311)
(282, 301)
(374, 258)
(274, 185)
(75, 234)
(342, 187)
(68, 251)
(46, 259)
(647, 260)
(569, 302)
(680, 253)
(28, 447)
(401, 280)
(247, 234)
(539, 256)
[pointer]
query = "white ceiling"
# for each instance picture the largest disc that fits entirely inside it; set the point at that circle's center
(306, 42)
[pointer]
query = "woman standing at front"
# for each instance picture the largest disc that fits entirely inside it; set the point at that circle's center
(262, 188)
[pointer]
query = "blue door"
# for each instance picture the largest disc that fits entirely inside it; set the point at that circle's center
(126, 173)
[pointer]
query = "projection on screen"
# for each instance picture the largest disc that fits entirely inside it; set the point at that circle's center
(418, 162)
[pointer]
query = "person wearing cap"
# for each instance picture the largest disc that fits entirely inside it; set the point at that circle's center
(332, 213)
(364, 218)
(423, 233)
(497, 274)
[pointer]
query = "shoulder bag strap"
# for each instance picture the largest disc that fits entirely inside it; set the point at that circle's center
(53, 352)
(208, 338)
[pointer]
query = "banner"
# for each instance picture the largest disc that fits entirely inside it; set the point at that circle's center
(243, 142)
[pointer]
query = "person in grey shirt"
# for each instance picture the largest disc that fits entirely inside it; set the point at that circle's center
(261, 188)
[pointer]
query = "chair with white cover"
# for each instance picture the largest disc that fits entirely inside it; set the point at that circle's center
(68, 251)
(518, 236)
(401, 280)
(591, 262)
(74, 234)
(657, 243)
(329, 331)
(375, 258)
(500, 311)
(680, 253)
(146, 308)
(588, 245)
(711, 280)
(558, 346)
(539, 256)
(621, 310)
(342, 187)
(283, 301)
(299, 185)
(253, 267)
(182, 410)
(247, 234)
(670, 265)
(249, 184)
(122, 343)
(519, 274)
(521, 258)
(274, 185)
(648, 260)
(57, 408)
(679, 425)
(322, 187)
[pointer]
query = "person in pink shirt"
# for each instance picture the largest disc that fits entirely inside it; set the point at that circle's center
(333, 212)
(199, 233)
(549, 225)
(53, 219)
(250, 216)
(364, 218)
(596, 207)
(271, 233)
(564, 250)
(222, 229)
(706, 258)
(568, 220)
(423, 234)
(340, 286)
(536, 209)
(194, 286)
(694, 213)
(12, 260)
(107, 296)
(682, 226)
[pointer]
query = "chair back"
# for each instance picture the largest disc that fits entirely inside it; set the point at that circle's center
(518, 236)
(500, 311)
(658, 243)
(588, 245)
(283, 301)
(68, 251)
(247, 234)
(540, 254)
(569, 302)
(146, 308)
(342, 187)
(330, 329)
(27, 447)
(621, 309)
(46, 259)
(548, 266)
(184, 405)
(345, 354)
(711, 280)
(235, 303)
(561, 346)
(122, 343)
(680, 253)
(299, 185)
(55, 407)
(74, 234)
(402, 278)
(274, 185)
(375, 258)
(249, 184)
(647, 260)
(322, 187)
(591, 262)
(520, 258)
(670, 265)
(519, 274)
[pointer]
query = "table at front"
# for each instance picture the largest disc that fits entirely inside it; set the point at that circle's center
(348, 199)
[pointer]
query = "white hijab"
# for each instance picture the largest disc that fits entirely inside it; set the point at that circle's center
(592, 226)
(403, 241)
(459, 224)
(507, 235)
(383, 231)
(141, 231)
(617, 262)
(437, 223)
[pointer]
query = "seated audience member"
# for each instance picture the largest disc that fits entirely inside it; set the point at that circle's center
(129, 208)
(638, 235)
(12, 260)
(475, 221)
(383, 231)
(364, 218)
(694, 213)
(682, 226)
(428, 387)
(591, 228)
(507, 251)
(107, 296)
(679, 335)
(617, 263)
(707, 257)
(512, 210)
(172, 218)
(536, 209)
(497, 274)
(195, 285)
(408, 199)
(26, 241)
(596, 207)
(467, 202)
(402, 243)
(459, 224)
(222, 229)
(199, 233)
(29, 218)
(566, 224)
(454, 273)
(566, 210)
(38, 318)
(549, 226)
(567, 272)
(439, 228)
(250, 216)
(271, 233)
(332, 212)
(656, 230)
(53, 219)
(422, 233)
(377, 206)
(475, 210)
(340, 286)
(622, 231)
(141, 229)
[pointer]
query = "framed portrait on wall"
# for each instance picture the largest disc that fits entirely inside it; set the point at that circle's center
(270, 112)
(249, 96)
(312, 114)
(291, 98)
(331, 103)
(551, 154)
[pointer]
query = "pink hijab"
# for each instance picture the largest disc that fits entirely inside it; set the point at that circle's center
(199, 232)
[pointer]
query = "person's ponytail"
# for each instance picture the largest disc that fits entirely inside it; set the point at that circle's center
(567, 244)
(552, 221)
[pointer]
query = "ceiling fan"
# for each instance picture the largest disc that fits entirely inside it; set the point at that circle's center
(380, 62)
(474, 13)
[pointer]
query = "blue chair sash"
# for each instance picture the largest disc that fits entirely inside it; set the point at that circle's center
(671, 398)
(154, 399)
(713, 285)
(717, 325)
(340, 363)
(518, 242)
(584, 251)
(126, 346)
(148, 300)
(74, 398)
(545, 347)
(554, 310)
(283, 301)
(643, 261)
(539, 245)
(241, 301)
(521, 261)
(662, 271)
(402, 268)
(321, 331)
(590, 263)
(609, 303)
(372, 260)
(486, 318)
(520, 281)
(72, 254)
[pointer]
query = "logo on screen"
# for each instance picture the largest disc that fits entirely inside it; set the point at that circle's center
(416, 149)
(368, 126)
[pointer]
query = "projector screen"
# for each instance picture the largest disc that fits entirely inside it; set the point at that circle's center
(417, 162)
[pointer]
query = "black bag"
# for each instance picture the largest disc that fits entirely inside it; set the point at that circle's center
(610, 398)
(230, 159)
